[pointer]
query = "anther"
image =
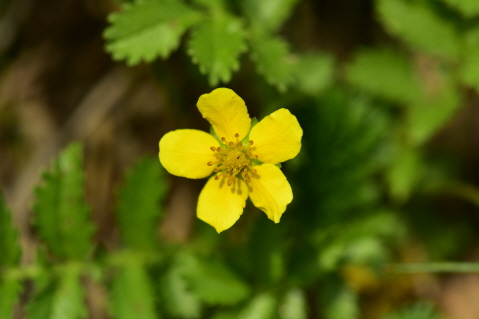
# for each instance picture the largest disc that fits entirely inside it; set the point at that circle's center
(223, 140)
(231, 143)
(213, 148)
(251, 142)
(239, 144)
(210, 163)
(217, 177)
(236, 135)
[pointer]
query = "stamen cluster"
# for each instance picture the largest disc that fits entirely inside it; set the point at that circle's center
(233, 159)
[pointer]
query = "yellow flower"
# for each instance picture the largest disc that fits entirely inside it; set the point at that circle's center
(242, 160)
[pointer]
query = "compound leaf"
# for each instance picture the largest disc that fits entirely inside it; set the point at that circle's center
(147, 29)
(215, 46)
(420, 27)
(138, 204)
(61, 214)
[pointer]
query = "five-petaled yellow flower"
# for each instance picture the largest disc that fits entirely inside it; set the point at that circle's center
(242, 159)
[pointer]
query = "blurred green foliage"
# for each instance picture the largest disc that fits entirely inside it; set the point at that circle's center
(366, 184)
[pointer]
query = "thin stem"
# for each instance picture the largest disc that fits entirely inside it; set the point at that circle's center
(435, 267)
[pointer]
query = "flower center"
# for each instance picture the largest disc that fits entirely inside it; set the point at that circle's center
(234, 159)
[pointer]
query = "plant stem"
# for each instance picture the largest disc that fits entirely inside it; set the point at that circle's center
(435, 267)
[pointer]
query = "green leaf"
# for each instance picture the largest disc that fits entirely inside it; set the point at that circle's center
(273, 59)
(10, 289)
(267, 252)
(363, 241)
(178, 299)
(313, 73)
(294, 305)
(468, 8)
(215, 45)
(385, 73)
(138, 204)
(419, 310)
(338, 302)
(270, 14)
(469, 70)
(211, 281)
(9, 247)
(404, 174)
(211, 4)
(262, 306)
(439, 102)
(131, 293)
(346, 144)
(231, 314)
(61, 214)
(420, 27)
(147, 29)
(61, 298)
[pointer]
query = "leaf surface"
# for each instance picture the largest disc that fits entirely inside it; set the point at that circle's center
(178, 298)
(314, 72)
(469, 70)
(138, 204)
(60, 212)
(131, 294)
(10, 289)
(148, 29)
(273, 59)
(420, 27)
(271, 14)
(60, 298)
(212, 281)
(215, 45)
(468, 8)
(9, 247)
(262, 306)
(384, 73)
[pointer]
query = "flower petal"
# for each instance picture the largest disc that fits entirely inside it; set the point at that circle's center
(277, 137)
(221, 205)
(226, 112)
(270, 191)
(186, 153)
